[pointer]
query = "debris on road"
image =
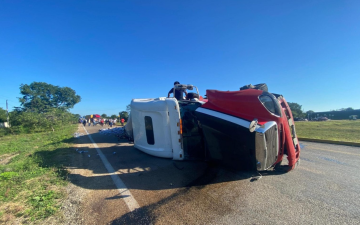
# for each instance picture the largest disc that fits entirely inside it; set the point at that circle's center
(256, 178)
(77, 134)
(117, 131)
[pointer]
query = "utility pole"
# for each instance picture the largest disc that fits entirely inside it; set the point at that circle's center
(7, 113)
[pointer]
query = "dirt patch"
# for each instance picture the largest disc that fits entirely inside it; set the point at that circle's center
(71, 207)
(5, 159)
(10, 209)
(70, 211)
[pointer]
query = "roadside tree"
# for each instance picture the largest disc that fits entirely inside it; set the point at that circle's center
(103, 115)
(44, 107)
(310, 112)
(41, 97)
(296, 110)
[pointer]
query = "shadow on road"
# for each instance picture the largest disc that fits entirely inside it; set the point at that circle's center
(138, 171)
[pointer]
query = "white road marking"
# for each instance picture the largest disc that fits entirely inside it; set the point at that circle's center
(130, 201)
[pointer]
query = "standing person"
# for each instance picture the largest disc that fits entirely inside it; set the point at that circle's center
(178, 93)
(122, 121)
(89, 122)
(110, 122)
(102, 122)
(84, 122)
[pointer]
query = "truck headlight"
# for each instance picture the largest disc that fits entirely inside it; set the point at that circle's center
(269, 102)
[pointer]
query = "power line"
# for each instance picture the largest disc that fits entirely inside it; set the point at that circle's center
(6, 96)
(7, 99)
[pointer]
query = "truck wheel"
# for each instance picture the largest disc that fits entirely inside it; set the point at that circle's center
(192, 95)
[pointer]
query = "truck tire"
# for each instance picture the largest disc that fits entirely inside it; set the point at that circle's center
(192, 95)
(262, 87)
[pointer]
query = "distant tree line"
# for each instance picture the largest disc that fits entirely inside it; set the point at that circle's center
(338, 114)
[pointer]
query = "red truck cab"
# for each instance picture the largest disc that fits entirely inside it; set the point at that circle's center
(257, 125)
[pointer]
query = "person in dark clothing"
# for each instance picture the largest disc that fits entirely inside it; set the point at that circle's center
(178, 93)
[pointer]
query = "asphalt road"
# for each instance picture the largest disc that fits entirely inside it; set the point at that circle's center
(324, 189)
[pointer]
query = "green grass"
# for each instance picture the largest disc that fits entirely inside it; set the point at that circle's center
(334, 130)
(32, 177)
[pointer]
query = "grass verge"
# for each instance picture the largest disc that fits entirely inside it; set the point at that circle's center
(32, 176)
(334, 130)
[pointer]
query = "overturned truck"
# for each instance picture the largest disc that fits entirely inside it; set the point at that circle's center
(246, 129)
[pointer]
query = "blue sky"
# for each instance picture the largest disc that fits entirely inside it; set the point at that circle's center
(112, 51)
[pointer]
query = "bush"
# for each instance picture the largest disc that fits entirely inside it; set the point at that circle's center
(30, 121)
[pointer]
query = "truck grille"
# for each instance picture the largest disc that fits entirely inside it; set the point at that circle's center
(271, 136)
(266, 145)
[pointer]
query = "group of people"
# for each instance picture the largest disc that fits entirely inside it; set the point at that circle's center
(101, 121)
